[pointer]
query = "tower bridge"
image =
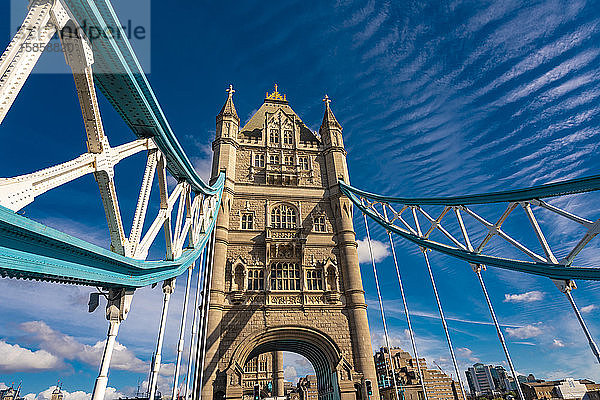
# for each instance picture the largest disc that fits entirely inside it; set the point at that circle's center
(285, 273)
(270, 238)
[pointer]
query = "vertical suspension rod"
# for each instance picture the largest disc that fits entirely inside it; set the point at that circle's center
(168, 287)
(102, 380)
(500, 335)
(181, 343)
(194, 328)
(591, 341)
(439, 305)
(385, 330)
(444, 324)
(406, 312)
(205, 306)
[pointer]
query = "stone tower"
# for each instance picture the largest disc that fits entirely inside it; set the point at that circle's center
(285, 267)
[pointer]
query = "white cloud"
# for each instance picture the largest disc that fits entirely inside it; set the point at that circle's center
(290, 374)
(203, 160)
(380, 250)
(557, 343)
(19, 359)
(65, 346)
(588, 309)
(296, 365)
(524, 332)
(3, 386)
(467, 353)
(110, 394)
(526, 297)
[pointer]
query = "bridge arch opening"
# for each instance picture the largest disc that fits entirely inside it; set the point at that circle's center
(320, 350)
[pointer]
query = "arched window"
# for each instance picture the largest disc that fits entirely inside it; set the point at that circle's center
(259, 160)
(285, 276)
(314, 279)
(283, 217)
(303, 162)
(319, 224)
(274, 159)
(287, 136)
(288, 160)
(256, 279)
(274, 136)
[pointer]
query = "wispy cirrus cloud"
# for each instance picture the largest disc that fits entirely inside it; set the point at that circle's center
(527, 297)
(588, 309)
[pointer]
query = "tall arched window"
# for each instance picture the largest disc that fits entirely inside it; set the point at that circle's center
(285, 276)
(274, 136)
(287, 136)
(283, 217)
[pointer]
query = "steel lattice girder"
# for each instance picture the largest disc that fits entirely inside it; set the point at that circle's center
(549, 268)
(31, 250)
(121, 79)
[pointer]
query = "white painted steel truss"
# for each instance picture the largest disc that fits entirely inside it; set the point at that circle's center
(191, 213)
(451, 233)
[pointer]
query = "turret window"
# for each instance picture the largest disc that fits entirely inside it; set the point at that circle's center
(285, 276)
(256, 279)
(283, 217)
(247, 221)
(319, 224)
(274, 135)
(259, 160)
(303, 163)
(314, 279)
(287, 136)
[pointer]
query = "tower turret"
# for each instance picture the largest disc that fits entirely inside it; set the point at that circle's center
(225, 143)
(333, 143)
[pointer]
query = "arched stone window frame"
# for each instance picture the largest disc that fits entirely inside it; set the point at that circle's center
(295, 223)
(239, 266)
(316, 268)
(331, 276)
(315, 217)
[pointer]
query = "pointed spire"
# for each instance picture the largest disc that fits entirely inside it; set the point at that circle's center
(329, 119)
(228, 109)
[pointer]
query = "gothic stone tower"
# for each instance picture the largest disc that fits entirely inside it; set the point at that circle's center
(285, 267)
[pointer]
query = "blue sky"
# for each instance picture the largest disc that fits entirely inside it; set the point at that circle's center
(436, 98)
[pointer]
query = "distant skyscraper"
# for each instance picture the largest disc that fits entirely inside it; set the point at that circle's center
(480, 379)
(487, 380)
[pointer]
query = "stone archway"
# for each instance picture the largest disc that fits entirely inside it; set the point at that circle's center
(320, 350)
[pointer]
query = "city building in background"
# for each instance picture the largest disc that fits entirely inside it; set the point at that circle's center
(11, 393)
(489, 380)
(568, 389)
(439, 386)
(258, 371)
(308, 388)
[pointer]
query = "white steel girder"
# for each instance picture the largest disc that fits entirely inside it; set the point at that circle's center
(22, 53)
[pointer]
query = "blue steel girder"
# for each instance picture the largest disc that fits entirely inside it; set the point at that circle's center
(118, 74)
(554, 270)
(31, 250)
